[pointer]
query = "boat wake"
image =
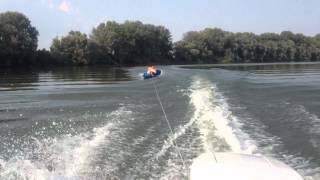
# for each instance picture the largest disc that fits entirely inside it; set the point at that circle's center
(211, 128)
(66, 157)
(219, 129)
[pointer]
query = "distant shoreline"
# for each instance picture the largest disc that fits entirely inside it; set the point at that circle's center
(178, 65)
(134, 43)
(246, 64)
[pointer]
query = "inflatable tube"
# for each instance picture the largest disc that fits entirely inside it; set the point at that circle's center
(148, 76)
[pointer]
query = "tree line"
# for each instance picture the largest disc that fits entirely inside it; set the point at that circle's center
(135, 43)
(218, 46)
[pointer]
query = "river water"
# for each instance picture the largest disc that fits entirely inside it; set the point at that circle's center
(106, 123)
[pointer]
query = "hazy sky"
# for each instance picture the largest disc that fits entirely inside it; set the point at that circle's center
(57, 17)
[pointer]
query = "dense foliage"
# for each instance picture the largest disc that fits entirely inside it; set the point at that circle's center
(218, 46)
(130, 43)
(71, 49)
(18, 40)
(135, 43)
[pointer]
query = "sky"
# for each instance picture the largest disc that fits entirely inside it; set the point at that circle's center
(57, 17)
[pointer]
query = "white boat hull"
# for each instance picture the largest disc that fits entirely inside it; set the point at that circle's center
(232, 166)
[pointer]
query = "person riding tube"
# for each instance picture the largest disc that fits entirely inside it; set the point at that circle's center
(151, 70)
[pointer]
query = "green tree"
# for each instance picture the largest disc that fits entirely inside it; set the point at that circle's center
(44, 58)
(133, 43)
(71, 49)
(218, 46)
(18, 39)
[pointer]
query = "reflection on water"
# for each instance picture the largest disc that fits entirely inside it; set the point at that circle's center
(101, 74)
(17, 79)
(31, 79)
(273, 67)
(276, 68)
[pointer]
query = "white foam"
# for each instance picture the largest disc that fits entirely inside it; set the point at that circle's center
(209, 116)
(2, 162)
(172, 138)
(81, 154)
(78, 156)
(23, 169)
(214, 119)
(313, 118)
(66, 156)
